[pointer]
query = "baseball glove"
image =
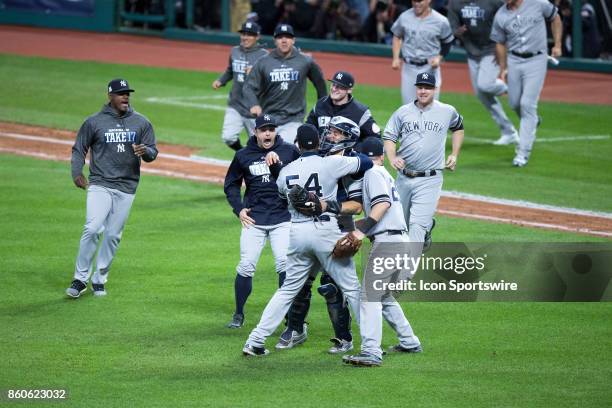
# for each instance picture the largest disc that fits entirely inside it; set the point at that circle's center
(305, 202)
(346, 246)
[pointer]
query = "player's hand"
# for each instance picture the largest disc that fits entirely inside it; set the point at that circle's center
(216, 84)
(460, 30)
(451, 162)
(272, 158)
(256, 110)
(435, 61)
(503, 74)
(398, 163)
(245, 220)
(556, 51)
(80, 181)
(139, 149)
(396, 63)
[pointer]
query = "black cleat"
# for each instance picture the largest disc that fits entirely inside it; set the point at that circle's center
(76, 289)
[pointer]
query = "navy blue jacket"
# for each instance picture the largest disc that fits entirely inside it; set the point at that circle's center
(261, 194)
(354, 110)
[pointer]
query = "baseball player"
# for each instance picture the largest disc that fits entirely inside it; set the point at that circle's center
(241, 60)
(340, 102)
(421, 129)
(118, 137)
(277, 83)
(311, 239)
(384, 223)
(340, 136)
(424, 37)
(519, 29)
(471, 21)
(262, 213)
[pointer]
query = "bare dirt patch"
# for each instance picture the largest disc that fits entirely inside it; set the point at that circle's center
(176, 161)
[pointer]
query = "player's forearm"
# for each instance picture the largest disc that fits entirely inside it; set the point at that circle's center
(379, 210)
(556, 27)
(396, 46)
(351, 208)
(501, 54)
(457, 142)
(390, 150)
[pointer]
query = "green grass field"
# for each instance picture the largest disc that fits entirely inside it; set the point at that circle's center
(158, 338)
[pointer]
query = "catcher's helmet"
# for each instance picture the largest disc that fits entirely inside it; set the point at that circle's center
(350, 134)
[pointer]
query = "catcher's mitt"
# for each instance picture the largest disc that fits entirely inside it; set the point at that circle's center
(305, 202)
(346, 246)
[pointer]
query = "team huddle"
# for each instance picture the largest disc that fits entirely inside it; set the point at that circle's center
(307, 182)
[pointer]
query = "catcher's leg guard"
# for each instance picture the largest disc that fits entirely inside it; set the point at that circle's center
(296, 316)
(336, 308)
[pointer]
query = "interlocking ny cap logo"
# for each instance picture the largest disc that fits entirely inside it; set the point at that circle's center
(249, 25)
(123, 83)
(266, 117)
(425, 76)
(110, 89)
(339, 76)
(283, 28)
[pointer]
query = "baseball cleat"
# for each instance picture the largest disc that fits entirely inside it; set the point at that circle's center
(401, 349)
(98, 289)
(340, 346)
(363, 359)
(427, 243)
(237, 321)
(253, 351)
(291, 338)
(519, 161)
(504, 140)
(76, 289)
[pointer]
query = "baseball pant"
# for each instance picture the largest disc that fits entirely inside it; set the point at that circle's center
(233, 123)
(525, 81)
(419, 197)
(372, 312)
(107, 211)
(252, 242)
(310, 247)
(288, 131)
(484, 73)
(409, 74)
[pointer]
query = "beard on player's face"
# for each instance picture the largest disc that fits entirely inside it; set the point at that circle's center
(425, 95)
(265, 137)
(120, 102)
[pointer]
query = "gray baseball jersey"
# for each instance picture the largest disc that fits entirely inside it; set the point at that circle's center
(317, 174)
(240, 61)
(422, 133)
(278, 85)
(524, 29)
(477, 16)
(113, 163)
(422, 36)
(379, 187)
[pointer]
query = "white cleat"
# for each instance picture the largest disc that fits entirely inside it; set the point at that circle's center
(505, 140)
(519, 161)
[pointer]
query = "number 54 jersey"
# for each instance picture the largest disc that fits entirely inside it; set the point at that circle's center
(319, 175)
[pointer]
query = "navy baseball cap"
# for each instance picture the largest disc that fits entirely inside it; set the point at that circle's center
(344, 79)
(119, 86)
(426, 78)
(372, 147)
(250, 27)
(264, 120)
(283, 29)
(307, 137)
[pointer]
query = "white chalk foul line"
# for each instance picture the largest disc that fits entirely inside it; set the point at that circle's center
(453, 194)
(186, 102)
(524, 223)
(545, 139)
(192, 159)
